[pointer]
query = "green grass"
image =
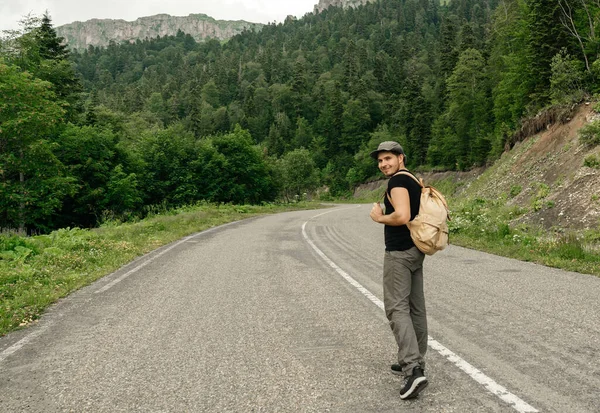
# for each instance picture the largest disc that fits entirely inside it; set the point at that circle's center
(36, 271)
(485, 225)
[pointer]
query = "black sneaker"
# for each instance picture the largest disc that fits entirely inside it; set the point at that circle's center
(397, 369)
(414, 384)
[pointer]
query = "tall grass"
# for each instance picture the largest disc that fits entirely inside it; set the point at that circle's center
(488, 225)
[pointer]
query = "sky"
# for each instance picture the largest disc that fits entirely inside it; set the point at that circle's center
(68, 11)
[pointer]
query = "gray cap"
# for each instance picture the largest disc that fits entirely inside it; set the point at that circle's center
(388, 146)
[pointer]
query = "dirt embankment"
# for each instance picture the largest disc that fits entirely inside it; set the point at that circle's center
(544, 173)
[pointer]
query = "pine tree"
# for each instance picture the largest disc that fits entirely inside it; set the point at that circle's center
(55, 67)
(50, 45)
(546, 38)
(448, 45)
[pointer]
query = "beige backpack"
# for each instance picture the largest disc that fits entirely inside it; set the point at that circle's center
(429, 229)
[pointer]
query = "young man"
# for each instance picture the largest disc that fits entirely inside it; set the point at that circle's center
(403, 295)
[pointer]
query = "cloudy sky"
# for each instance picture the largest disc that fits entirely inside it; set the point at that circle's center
(68, 11)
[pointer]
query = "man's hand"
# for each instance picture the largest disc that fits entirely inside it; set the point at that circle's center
(376, 212)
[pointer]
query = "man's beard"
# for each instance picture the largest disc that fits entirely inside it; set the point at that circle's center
(392, 171)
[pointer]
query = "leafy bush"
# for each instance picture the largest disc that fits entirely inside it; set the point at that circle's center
(515, 190)
(11, 242)
(592, 161)
(543, 191)
(503, 230)
(566, 79)
(325, 196)
(298, 173)
(589, 135)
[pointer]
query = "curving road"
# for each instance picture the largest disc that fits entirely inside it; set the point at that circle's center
(282, 314)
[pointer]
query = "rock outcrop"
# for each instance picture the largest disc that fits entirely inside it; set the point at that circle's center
(99, 32)
(324, 4)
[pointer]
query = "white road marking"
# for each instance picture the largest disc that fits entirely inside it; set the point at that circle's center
(22, 342)
(148, 261)
(489, 384)
(41, 329)
(493, 387)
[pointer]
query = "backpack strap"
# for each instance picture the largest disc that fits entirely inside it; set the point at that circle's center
(420, 182)
(405, 172)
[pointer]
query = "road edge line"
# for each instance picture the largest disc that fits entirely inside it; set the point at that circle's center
(488, 383)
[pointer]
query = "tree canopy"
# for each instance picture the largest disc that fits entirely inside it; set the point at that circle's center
(171, 121)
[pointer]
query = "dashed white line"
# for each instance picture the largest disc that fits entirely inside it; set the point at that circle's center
(490, 385)
(148, 261)
(22, 342)
(38, 331)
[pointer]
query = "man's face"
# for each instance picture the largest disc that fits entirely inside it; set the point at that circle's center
(389, 162)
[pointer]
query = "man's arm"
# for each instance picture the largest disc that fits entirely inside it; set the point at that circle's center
(401, 201)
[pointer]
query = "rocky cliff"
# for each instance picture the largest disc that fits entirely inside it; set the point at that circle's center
(323, 4)
(98, 32)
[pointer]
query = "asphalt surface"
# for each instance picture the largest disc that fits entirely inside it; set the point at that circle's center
(250, 317)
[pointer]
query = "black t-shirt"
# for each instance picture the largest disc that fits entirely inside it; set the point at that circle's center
(398, 238)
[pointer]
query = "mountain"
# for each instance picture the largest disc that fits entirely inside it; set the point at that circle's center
(324, 4)
(98, 32)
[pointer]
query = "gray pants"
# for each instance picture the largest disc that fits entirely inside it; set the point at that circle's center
(404, 303)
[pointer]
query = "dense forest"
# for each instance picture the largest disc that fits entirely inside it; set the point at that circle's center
(114, 132)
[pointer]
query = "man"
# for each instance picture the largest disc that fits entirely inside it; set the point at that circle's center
(403, 295)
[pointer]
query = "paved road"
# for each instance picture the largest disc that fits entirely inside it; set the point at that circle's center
(251, 317)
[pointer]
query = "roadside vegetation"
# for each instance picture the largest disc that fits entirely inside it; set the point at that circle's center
(486, 225)
(35, 271)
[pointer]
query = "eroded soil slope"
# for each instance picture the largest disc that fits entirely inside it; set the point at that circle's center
(546, 174)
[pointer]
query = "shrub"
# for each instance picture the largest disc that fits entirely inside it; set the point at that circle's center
(503, 230)
(515, 190)
(325, 196)
(11, 242)
(567, 77)
(589, 135)
(298, 173)
(592, 161)
(543, 191)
